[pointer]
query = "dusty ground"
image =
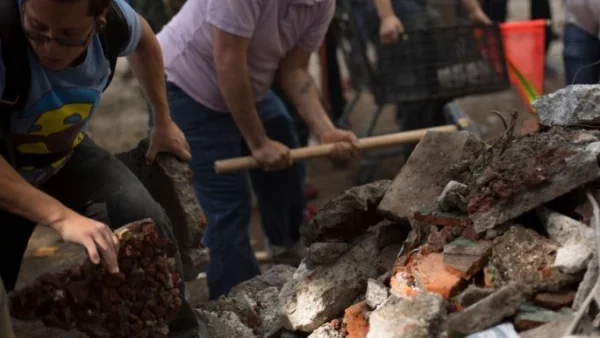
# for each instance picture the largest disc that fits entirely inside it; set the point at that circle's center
(121, 121)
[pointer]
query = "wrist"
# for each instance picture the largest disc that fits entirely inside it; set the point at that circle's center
(161, 116)
(56, 218)
(256, 142)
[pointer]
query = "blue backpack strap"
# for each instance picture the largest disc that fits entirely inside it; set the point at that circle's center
(114, 37)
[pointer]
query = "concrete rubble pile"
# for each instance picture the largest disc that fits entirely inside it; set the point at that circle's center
(140, 301)
(470, 239)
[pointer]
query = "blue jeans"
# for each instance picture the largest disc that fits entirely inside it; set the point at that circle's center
(581, 50)
(225, 198)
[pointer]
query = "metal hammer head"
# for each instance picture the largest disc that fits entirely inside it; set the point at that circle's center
(455, 115)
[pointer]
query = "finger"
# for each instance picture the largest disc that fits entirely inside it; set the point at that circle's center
(90, 247)
(108, 253)
(151, 155)
(183, 154)
(111, 239)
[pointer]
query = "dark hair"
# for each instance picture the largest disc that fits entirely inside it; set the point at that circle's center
(96, 6)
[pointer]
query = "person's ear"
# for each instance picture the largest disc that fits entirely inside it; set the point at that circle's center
(100, 24)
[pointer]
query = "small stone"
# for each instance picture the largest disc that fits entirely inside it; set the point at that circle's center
(326, 331)
(347, 215)
(573, 258)
(564, 229)
(489, 311)
(431, 275)
(357, 321)
(453, 197)
(325, 253)
(472, 295)
(377, 293)
(419, 316)
(572, 105)
(555, 300)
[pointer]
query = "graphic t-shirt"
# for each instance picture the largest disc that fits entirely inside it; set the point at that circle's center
(61, 103)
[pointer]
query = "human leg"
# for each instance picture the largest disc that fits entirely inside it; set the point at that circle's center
(225, 198)
(581, 51)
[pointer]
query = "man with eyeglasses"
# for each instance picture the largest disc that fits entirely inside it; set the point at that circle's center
(57, 176)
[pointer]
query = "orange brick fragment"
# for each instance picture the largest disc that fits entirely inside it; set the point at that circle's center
(555, 300)
(400, 285)
(431, 275)
(357, 324)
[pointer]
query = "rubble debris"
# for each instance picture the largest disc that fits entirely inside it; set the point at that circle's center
(169, 181)
(428, 170)
(377, 293)
(453, 197)
(555, 300)
(534, 170)
(555, 329)
(347, 215)
(529, 317)
(326, 331)
(389, 233)
(356, 318)
(572, 258)
(587, 284)
(313, 297)
(419, 316)
(489, 311)
(140, 301)
(440, 218)
(569, 106)
(325, 253)
(431, 275)
(472, 295)
(465, 258)
(402, 285)
(222, 325)
(387, 258)
(505, 330)
(524, 256)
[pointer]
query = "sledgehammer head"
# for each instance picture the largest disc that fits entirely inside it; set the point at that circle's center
(455, 115)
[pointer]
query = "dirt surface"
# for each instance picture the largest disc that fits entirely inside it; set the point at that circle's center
(121, 121)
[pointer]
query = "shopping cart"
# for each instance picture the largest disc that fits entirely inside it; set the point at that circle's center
(439, 62)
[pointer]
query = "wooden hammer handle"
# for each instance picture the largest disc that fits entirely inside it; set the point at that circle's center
(298, 154)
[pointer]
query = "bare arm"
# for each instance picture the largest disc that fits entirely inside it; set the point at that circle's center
(231, 62)
(300, 89)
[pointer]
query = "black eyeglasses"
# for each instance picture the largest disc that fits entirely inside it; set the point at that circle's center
(44, 39)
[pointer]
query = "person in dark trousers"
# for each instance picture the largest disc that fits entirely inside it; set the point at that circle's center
(51, 173)
(581, 52)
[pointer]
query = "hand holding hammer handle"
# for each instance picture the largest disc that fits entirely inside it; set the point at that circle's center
(298, 154)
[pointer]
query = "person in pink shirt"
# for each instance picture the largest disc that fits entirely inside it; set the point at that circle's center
(221, 59)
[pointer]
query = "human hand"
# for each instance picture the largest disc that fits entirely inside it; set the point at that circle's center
(478, 16)
(273, 155)
(97, 238)
(167, 137)
(390, 29)
(345, 143)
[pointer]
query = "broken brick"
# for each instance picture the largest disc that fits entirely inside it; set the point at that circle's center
(530, 317)
(430, 274)
(465, 258)
(357, 323)
(555, 300)
(442, 218)
(402, 286)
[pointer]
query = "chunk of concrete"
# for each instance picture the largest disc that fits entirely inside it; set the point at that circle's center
(535, 170)
(522, 255)
(325, 253)
(417, 317)
(377, 293)
(572, 258)
(572, 105)
(169, 181)
(326, 331)
(489, 311)
(222, 325)
(316, 296)
(564, 229)
(428, 170)
(347, 215)
(453, 197)
(472, 295)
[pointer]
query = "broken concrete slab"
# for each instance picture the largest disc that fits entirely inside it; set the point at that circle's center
(419, 316)
(534, 170)
(555, 329)
(472, 295)
(326, 331)
(522, 255)
(489, 311)
(465, 258)
(427, 172)
(573, 258)
(325, 253)
(453, 197)
(377, 293)
(169, 181)
(347, 215)
(316, 296)
(573, 105)
(356, 318)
